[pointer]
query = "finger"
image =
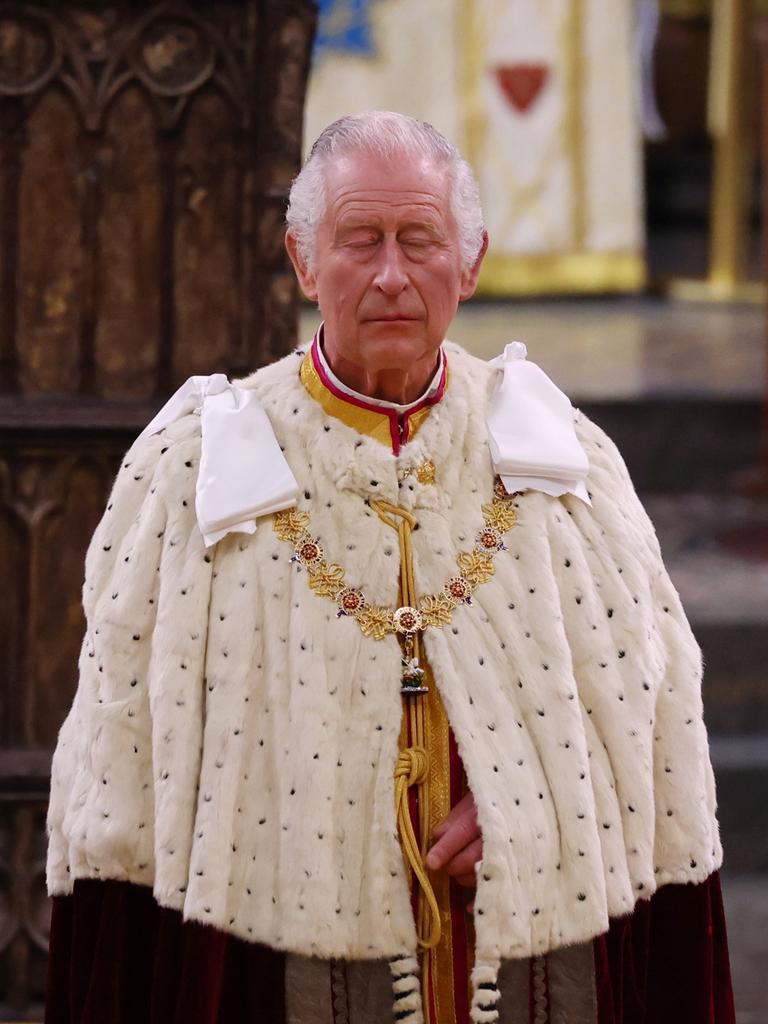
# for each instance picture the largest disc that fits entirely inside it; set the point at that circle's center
(466, 802)
(464, 861)
(459, 834)
(453, 841)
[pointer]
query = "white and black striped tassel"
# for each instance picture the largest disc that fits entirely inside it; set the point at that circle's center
(485, 993)
(406, 1007)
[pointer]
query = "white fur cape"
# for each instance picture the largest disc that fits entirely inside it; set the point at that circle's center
(232, 742)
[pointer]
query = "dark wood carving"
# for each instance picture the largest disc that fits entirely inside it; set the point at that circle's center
(146, 150)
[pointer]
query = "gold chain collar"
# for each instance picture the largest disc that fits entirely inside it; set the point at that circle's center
(327, 579)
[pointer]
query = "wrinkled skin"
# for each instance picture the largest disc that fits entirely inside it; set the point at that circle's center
(387, 273)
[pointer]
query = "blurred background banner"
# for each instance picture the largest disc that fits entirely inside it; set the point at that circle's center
(542, 97)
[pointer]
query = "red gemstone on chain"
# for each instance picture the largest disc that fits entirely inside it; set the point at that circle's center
(407, 620)
(457, 589)
(351, 601)
(309, 552)
(489, 539)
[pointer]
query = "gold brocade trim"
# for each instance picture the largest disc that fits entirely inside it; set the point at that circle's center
(436, 728)
(425, 737)
(429, 729)
(562, 273)
(364, 421)
(414, 761)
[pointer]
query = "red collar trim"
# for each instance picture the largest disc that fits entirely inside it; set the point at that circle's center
(399, 423)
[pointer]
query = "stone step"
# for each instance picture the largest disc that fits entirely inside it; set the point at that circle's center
(681, 444)
(735, 686)
(745, 898)
(711, 547)
(741, 773)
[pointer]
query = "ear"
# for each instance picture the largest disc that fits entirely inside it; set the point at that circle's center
(470, 275)
(307, 278)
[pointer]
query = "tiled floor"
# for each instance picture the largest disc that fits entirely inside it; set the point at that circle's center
(699, 536)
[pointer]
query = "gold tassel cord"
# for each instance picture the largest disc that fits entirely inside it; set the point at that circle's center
(403, 521)
(413, 764)
(412, 767)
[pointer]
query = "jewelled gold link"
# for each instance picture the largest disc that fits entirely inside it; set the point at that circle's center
(429, 925)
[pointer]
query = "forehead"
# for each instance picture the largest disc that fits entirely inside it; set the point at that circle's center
(365, 183)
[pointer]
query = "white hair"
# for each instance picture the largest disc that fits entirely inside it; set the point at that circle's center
(386, 134)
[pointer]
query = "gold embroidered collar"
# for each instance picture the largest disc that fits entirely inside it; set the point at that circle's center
(366, 416)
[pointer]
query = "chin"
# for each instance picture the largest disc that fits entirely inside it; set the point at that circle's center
(394, 348)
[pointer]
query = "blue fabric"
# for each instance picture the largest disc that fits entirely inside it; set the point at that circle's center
(344, 26)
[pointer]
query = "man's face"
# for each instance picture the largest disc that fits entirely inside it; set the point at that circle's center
(388, 275)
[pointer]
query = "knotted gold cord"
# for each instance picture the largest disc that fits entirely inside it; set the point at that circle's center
(412, 768)
(413, 763)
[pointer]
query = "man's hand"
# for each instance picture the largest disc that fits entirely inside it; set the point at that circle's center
(458, 843)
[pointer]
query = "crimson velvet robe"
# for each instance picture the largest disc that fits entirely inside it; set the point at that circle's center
(116, 957)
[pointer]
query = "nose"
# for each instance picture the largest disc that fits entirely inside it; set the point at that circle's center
(390, 277)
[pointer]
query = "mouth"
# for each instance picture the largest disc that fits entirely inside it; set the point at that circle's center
(392, 319)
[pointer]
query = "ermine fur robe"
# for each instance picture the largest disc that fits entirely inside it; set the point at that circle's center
(232, 742)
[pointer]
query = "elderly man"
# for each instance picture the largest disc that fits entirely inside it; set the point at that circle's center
(376, 627)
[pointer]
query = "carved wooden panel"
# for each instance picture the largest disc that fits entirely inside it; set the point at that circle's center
(146, 151)
(128, 236)
(24, 908)
(50, 258)
(207, 238)
(144, 163)
(58, 496)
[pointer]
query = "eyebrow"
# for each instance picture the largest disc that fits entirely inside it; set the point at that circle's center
(354, 221)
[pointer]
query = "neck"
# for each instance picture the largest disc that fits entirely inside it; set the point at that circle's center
(401, 386)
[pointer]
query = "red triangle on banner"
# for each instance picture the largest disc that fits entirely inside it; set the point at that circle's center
(522, 83)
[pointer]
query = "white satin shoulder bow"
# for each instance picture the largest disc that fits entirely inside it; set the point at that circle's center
(243, 473)
(530, 426)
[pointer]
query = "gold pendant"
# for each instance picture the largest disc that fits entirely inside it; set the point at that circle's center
(412, 674)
